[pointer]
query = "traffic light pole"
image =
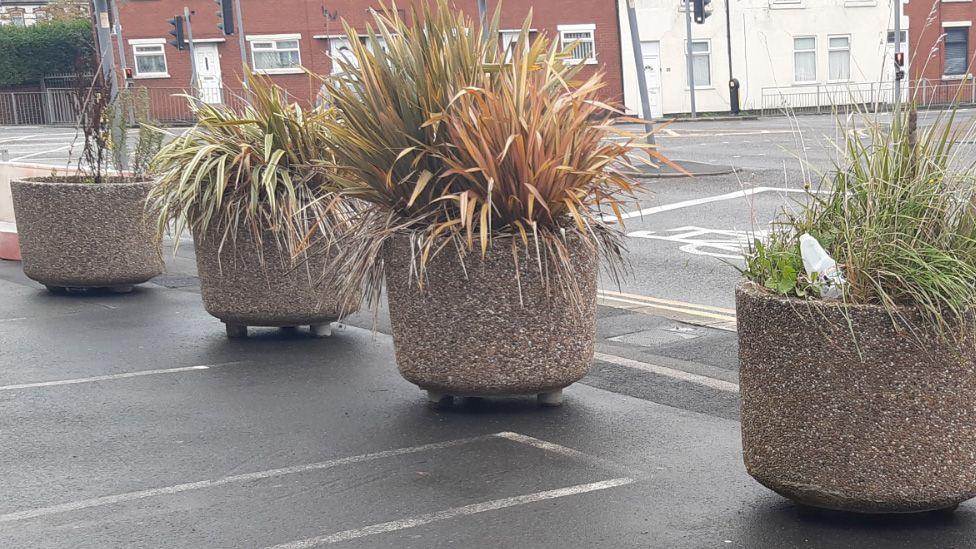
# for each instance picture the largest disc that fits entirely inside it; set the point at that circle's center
(189, 41)
(103, 31)
(898, 69)
(240, 36)
(645, 100)
(691, 62)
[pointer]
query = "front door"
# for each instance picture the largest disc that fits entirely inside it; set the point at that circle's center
(651, 52)
(209, 82)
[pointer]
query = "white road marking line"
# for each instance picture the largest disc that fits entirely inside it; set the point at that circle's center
(719, 384)
(569, 452)
(657, 300)
(110, 377)
(698, 201)
(32, 136)
(447, 514)
(686, 311)
(211, 483)
(38, 153)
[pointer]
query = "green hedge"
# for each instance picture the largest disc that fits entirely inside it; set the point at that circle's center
(28, 54)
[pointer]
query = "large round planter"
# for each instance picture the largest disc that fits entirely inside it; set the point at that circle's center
(247, 283)
(842, 410)
(85, 235)
(468, 334)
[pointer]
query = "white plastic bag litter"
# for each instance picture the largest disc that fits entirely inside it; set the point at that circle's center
(817, 260)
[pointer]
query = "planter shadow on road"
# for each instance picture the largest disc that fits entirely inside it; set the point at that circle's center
(789, 525)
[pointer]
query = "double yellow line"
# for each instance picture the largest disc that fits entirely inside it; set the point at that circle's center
(692, 313)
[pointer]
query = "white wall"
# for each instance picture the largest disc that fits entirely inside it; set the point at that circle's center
(762, 46)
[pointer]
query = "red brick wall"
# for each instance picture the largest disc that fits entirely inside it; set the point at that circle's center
(925, 34)
(148, 19)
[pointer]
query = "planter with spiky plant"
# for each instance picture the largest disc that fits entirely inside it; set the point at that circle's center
(486, 172)
(245, 185)
(88, 230)
(864, 402)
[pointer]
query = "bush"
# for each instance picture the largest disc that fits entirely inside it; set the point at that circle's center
(452, 142)
(28, 54)
(251, 168)
(897, 214)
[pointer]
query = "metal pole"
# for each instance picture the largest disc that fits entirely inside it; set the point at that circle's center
(728, 34)
(240, 36)
(641, 75)
(483, 17)
(897, 4)
(103, 31)
(691, 64)
(118, 39)
(189, 41)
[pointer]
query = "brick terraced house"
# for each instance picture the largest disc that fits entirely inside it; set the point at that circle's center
(942, 50)
(282, 36)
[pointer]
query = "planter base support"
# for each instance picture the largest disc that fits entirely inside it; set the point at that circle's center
(443, 400)
(236, 331)
(551, 398)
(125, 289)
(321, 330)
(439, 400)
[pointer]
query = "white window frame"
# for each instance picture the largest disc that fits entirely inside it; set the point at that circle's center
(274, 39)
(563, 43)
(135, 44)
(509, 37)
(813, 51)
(707, 54)
(831, 49)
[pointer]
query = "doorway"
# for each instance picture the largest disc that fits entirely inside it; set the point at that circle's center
(651, 52)
(209, 81)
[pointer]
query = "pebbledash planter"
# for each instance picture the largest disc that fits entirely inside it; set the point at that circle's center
(75, 234)
(246, 283)
(467, 333)
(842, 410)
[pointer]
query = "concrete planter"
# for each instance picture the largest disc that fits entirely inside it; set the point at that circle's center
(892, 430)
(84, 235)
(242, 291)
(466, 334)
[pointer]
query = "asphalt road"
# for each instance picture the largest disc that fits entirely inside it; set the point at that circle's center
(131, 421)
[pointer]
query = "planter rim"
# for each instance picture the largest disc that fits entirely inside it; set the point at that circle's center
(755, 291)
(45, 181)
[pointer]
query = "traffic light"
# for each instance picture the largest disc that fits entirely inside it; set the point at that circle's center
(700, 11)
(899, 65)
(179, 38)
(226, 16)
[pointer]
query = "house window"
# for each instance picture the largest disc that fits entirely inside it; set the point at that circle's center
(805, 59)
(956, 51)
(839, 58)
(276, 54)
(18, 17)
(150, 59)
(509, 41)
(584, 38)
(701, 63)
